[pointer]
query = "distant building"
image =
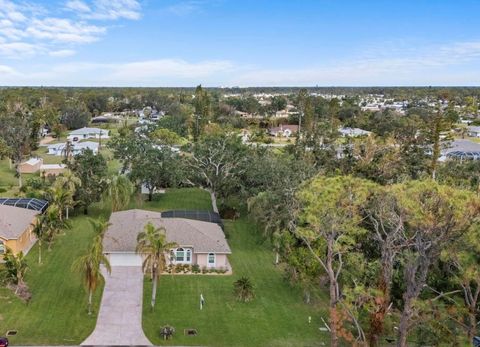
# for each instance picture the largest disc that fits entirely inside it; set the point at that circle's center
(353, 132)
(283, 130)
(473, 131)
(34, 165)
(60, 149)
(87, 133)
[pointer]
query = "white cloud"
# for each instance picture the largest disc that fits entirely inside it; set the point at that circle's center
(18, 50)
(64, 30)
(106, 9)
(7, 71)
(62, 53)
(78, 6)
(185, 7)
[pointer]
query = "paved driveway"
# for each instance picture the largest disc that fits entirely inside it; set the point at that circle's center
(120, 317)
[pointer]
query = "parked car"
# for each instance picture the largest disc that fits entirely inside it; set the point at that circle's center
(3, 342)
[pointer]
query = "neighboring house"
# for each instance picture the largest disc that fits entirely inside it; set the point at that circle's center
(283, 130)
(59, 149)
(353, 132)
(460, 150)
(16, 224)
(473, 131)
(32, 165)
(52, 169)
(199, 242)
(87, 133)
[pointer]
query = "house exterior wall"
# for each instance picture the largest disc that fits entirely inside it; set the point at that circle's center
(52, 172)
(23, 243)
(220, 260)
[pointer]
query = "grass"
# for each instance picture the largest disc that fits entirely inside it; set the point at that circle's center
(57, 313)
(276, 317)
(176, 199)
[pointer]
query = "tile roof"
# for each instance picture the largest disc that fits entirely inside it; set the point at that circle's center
(204, 237)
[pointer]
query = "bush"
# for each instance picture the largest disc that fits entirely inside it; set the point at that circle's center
(167, 332)
(243, 289)
(196, 268)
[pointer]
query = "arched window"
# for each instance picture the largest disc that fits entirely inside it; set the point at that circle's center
(180, 255)
(211, 259)
(2, 247)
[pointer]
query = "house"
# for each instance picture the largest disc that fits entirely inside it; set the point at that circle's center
(473, 131)
(60, 149)
(199, 242)
(16, 225)
(52, 169)
(353, 132)
(460, 150)
(283, 130)
(87, 133)
(32, 165)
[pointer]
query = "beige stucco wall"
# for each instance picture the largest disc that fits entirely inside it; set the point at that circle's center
(52, 172)
(23, 243)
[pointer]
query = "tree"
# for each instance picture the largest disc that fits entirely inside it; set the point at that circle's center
(216, 163)
(69, 182)
(88, 265)
(91, 169)
(16, 266)
(40, 229)
(153, 245)
(436, 215)
(119, 190)
(75, 115)
(243, 289)
(330, 218)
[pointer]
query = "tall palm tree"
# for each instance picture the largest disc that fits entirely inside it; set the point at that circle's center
(39, 230)
(88, 266)
(152, 243)
(60, 198)
(119, 190)
(55, 224)
(16, 266)
(69, 182)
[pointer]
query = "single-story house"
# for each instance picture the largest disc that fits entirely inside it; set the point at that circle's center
(16, 225)
(201, 243)
(59, 149)
(283, 130)
(353, 132)
(32, 165)
(460, 150)
(52, 169)
(473, 131)
(87, 133)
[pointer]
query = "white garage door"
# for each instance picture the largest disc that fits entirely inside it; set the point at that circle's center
(125, 259)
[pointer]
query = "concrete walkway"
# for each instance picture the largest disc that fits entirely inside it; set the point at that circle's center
(120, 317)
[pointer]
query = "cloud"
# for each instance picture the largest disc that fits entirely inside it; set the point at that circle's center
(18, 50)
(64, 30)
(185, 7)
(106, 9)
(62, 53)
(78, 6)
(7, 71)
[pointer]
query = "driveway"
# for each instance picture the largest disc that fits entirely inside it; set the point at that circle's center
(120, 318)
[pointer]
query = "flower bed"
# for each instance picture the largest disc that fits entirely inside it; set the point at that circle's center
(187, 269)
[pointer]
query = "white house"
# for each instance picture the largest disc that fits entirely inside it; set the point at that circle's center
(59, 149)
(283, 130)
(87, 133)
(353, 132)
(473, 131)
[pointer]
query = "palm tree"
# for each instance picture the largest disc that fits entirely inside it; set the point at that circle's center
(243, 289)
(59, 197)
(69, 182)
(16, 266)
(152, 243)
(89, 266)
(39, 230)
(55, 224)
(119, 190)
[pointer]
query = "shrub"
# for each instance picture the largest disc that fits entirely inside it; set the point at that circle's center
(167, 332)
(243, 289)
(196, 268)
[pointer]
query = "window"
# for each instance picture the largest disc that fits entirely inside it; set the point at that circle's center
(180, 254)
(211, 259)
(189, 256)
(2, 247)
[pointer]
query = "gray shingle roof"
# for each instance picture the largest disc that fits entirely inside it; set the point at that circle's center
(204, 237)
(14, 221)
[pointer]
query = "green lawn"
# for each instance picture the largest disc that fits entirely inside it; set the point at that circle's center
(176, 199)
(57, 313)
(277, 317)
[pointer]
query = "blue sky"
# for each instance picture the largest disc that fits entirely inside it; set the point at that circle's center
(239, 43)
